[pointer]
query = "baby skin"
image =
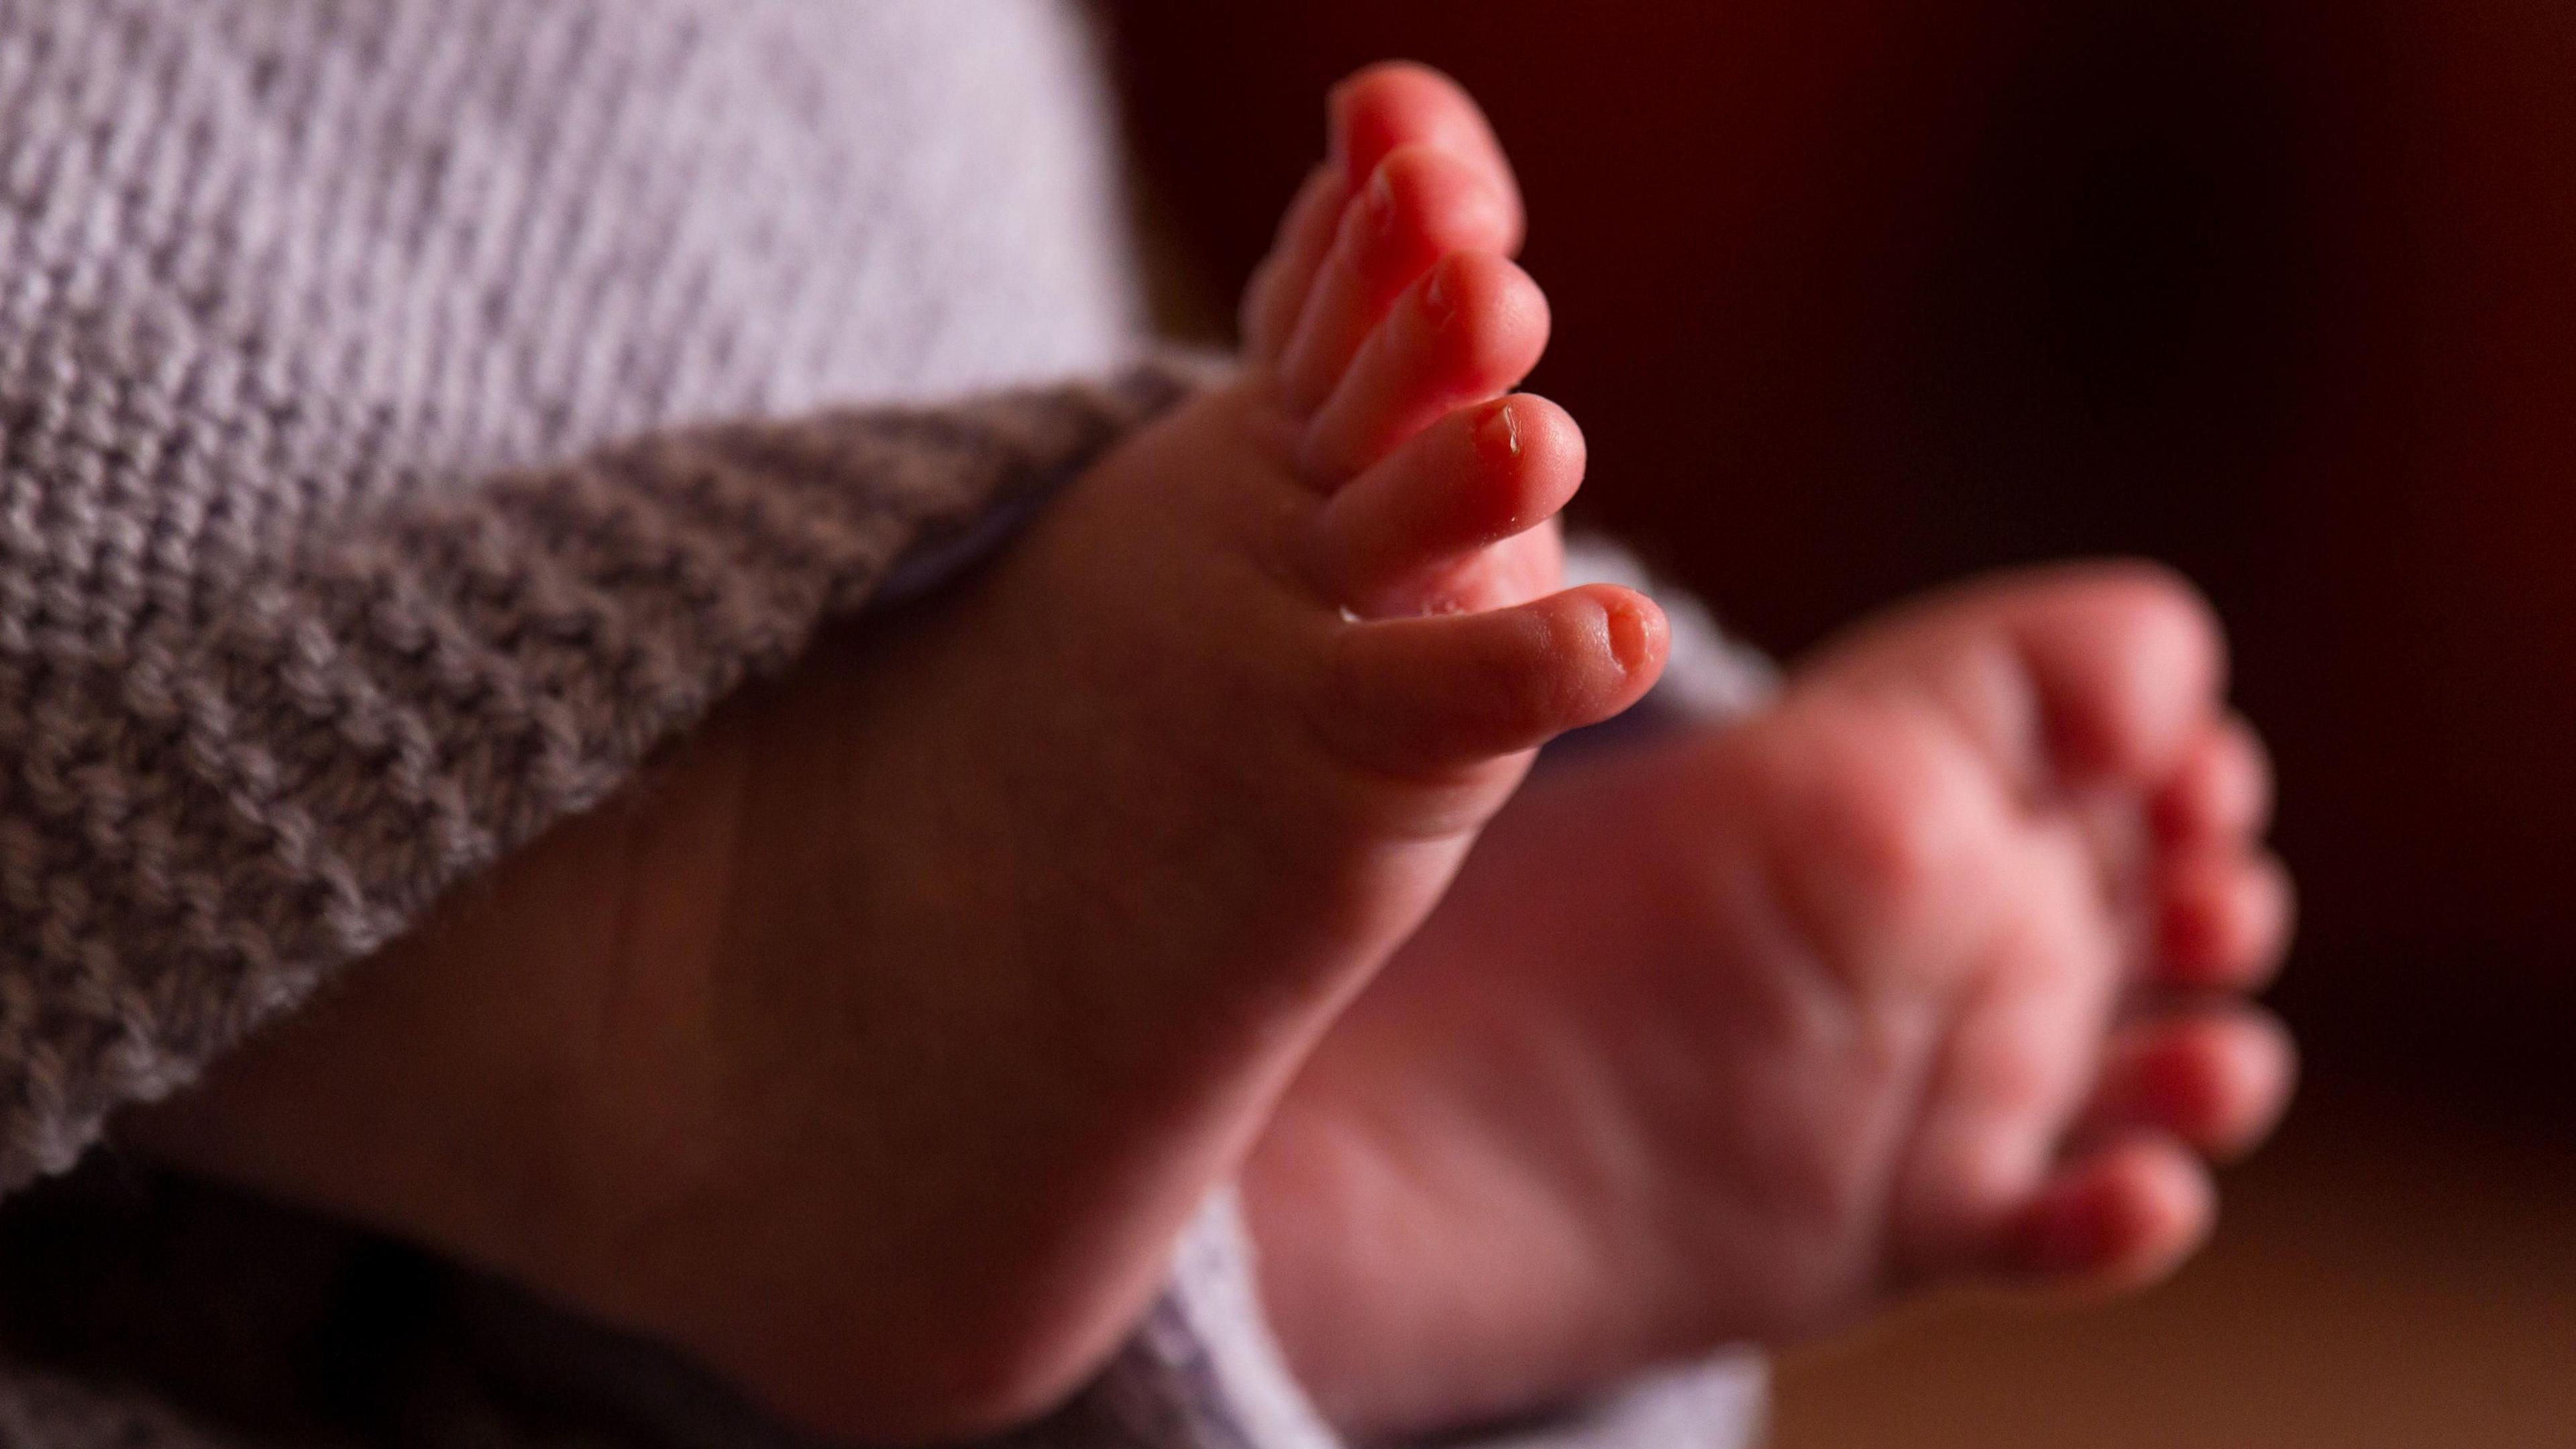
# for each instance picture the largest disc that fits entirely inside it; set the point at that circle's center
(874, 1048)
(1933, 969)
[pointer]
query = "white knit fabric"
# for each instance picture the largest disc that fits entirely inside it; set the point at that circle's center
(288, 283)
(412, 411)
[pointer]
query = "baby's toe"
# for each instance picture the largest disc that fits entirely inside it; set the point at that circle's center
(1375, 113)
(1386, 542)
(1401, 103)
(2216, 1080)
(1276, 295)
(2221, 920)
(2220, 795)
(1466, 332)
(1424, 697)
(1419, 205)
(2119, 1218)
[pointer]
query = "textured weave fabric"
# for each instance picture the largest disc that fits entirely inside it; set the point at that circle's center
(411, 411)
(285, 286)
(223, 798)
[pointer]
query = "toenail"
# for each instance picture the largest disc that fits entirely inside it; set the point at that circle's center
(1498, 436)
(1380, 204)
(1631, 638)
(1439, 305)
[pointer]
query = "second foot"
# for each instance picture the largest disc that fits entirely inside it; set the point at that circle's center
(1932, 970)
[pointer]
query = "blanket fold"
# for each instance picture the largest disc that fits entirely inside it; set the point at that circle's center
(411, 413)
(218, 800)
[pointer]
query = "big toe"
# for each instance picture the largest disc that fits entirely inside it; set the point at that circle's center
(2069, 678)
(1432, 696)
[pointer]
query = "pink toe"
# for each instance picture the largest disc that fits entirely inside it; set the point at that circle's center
(2222, 793)
(1388, 543)
(2222, 921)
(1471, 329)
(2119, 1219)
(1401, 103)
(1276, 297)
(2216, 1080)
(1435, 695)
(1418, 206)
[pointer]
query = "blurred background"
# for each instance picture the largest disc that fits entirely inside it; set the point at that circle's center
(1855, 296)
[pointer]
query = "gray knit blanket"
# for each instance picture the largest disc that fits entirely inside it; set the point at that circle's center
(412, 412)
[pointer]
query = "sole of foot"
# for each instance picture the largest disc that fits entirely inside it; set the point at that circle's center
(1934, 970)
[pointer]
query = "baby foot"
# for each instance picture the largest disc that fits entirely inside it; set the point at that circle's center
(877, 1049)
(1932, 969)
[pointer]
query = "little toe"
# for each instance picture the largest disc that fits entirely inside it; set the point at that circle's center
(2120, 1218)
(1466, 332)
(1475, 478)
(1277, 294)
(1403, 103)
(1418, 206)
(2216, 1080)
(2222, 921)
(2222, 793)
(1431, 695)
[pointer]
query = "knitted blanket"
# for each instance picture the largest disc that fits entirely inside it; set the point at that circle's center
(414, 411)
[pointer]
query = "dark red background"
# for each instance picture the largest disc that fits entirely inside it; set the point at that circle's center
(1859, 295)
